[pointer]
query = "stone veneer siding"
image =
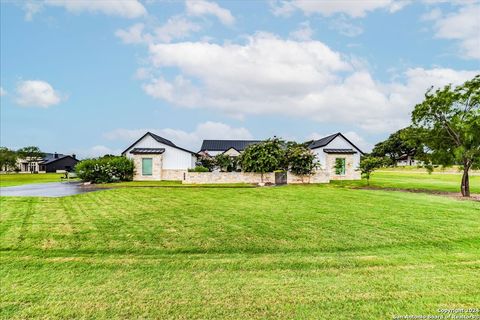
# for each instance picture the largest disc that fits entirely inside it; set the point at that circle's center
(350, 172)
(170, 174)
(156, 167)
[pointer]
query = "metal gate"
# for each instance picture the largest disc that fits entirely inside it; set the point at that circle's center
(280, 178)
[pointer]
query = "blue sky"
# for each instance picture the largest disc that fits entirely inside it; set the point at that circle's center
(92, 76)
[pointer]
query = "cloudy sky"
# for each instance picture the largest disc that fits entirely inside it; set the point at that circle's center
(92, 76)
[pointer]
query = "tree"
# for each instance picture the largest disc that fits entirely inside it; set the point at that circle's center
(223, 162)
(449, 125)
(369, 164)
(206, 162)
(266, 156)
(402, 142)
(31, 154)
(299, 159)
(8, 159)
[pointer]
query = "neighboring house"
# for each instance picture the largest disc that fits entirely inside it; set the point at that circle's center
(232, 148)
(337, 146)
(408, 160)
(157, 158)
(51, 162)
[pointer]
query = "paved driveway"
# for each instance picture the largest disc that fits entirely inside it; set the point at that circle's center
(53, 189)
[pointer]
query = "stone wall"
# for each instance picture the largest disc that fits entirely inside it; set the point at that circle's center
(227, 177)
(317, 177)
(170, 174)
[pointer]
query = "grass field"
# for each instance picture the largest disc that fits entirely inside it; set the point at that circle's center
(16, 179)
(293, 252)
(415, 181)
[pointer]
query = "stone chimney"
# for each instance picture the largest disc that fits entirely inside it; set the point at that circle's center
(74, 156)
(55, 155)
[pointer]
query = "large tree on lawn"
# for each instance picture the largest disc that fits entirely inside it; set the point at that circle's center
(448, 121)
(31, 154)
(263, 157)
(399, 143)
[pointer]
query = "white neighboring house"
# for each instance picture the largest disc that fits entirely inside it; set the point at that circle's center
(157, 158)
(337, 146)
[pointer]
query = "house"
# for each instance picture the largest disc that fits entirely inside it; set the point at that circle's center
(408, 160)
(327, 150)
(232, 148)
(337, 148)
(157, 158)
(50, 162)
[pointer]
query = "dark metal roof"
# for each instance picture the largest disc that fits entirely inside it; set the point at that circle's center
(326, 140)
(224, 145)
(322, 142)
(53, 159)
(161, 140)
(147, 150)
(343, 151)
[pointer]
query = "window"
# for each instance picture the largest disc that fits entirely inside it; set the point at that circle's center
(340, 166)
(147, 166)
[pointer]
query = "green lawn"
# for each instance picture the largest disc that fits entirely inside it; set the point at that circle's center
(415, 181)
(16, 179)
(292, 252)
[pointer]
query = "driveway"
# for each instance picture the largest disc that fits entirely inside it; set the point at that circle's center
(53, 189)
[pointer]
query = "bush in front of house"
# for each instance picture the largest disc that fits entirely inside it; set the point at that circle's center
(199, 169)
(105, 169)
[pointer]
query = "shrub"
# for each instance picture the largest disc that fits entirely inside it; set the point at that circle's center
(106, 169)
(199, 169)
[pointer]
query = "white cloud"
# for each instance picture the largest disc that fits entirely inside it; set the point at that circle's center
(37, 93)
(176, 27)
(345, 27)
(463, 26)
(122, 8)
(303, 33)
(352, 8)
(3, 92)
(97, 151)
(273, 76)
(191, 140)
(202, 7)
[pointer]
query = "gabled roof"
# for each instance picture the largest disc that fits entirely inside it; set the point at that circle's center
(326, 140)
(161, 140)
(224, 145)
(53, 159)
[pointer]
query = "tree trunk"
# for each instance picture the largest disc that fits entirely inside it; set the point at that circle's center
(465, 181)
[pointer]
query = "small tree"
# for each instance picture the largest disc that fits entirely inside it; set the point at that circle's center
(369, 164)
(300, 160)
(223, 162)
(448, 121)
(263, 157)
(31, 154)
(8, 159)
(206, 162)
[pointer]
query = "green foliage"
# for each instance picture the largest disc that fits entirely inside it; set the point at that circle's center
(223, 162)
(448, 123)
(403, 142)
(199, 169)
(299, 159)
(266, 156)
(207, 162)
(8, 159)
(105, 169)
(369, 164)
